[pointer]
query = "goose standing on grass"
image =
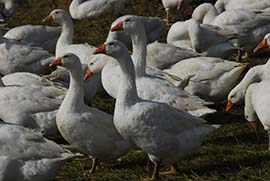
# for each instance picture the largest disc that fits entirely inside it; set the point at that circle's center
(27, 155)
(88, 129)
(257, 102)
(209, 78)
(166, 134)
(150, 87)
(83, 51)
(255, 74)
(80, 9)
(28, 107)
(215, 41)
(40, 36)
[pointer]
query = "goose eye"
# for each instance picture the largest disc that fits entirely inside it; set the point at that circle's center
(110, 44)
(91, 63)
(66, 56)
(128, 20)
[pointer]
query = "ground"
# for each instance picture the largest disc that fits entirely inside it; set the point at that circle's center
(233, 152)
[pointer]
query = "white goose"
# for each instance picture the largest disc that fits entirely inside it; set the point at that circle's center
(251, 25)
(224, 5)
(88, 129)
(41, 36)
(150, 87)
(50, 88)
(163, 132)
(83, 51)
(257, 103)
(29, 107)
(20, 57)
(215, 41)
(255, 74)
(80, 9)
(27, 155)
(153, 28)
(209, 78)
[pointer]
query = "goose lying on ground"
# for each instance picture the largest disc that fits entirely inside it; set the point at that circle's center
(27, 155)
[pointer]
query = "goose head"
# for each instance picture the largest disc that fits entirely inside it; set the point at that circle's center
(129, 24)
(234, 97)
(69, 61)
(9, 8)
(57, 15)
(263, 44)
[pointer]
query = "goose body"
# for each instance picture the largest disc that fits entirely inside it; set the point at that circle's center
(257, 102)
(209, 78)
(88, 129)
(27, 155)
(159, 129)
(40, 36)
(80, 9)
(202, 38)
(29, 107)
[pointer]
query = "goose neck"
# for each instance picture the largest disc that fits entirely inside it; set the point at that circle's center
(66, 36)
(139, 52)
(74, 99)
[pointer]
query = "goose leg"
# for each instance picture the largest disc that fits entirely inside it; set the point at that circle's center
(155, 174)
(167, 17)
(94, 165)
(171, 172)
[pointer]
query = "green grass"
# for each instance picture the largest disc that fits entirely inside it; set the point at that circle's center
(231, 153)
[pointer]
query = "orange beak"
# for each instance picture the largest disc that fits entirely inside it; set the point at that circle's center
(58, 61)
(261, 45)
(179, 6)
(229, 105)
(47, 19)
(101, 49)
(119, 26)
(88, 74)
(254, 125)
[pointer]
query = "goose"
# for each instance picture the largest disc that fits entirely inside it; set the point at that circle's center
(80, 9)
(215, 41)
(171, 5)
(88, 129)
(166, 134)
(153, 28)
(255, 74)
(9, 7)
(27, 155)
(21, 57)
(29, 107)
(224, 5)
(251, 25)
(40, 36)
(256, 105)
(50, 88)
(150, 87)
(83, 51)
(209, 78)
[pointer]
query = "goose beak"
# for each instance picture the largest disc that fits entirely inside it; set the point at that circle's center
(229, 105)
(179, 6)
(119, 26)
(47, 19)
(100, 50)
(58, 61)
(88, 74)
(254, 126)
(261, 45)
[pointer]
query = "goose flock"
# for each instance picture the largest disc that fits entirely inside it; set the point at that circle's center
(166, 77)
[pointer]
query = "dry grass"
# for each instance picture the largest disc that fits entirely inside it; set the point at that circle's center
(231, 153)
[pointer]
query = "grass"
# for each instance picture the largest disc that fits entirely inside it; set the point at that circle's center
(231, 153)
